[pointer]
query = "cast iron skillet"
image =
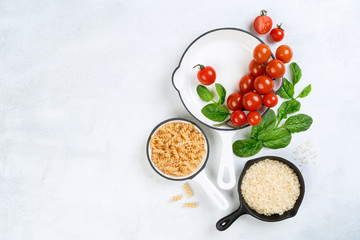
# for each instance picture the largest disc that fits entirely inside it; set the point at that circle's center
(225, 222)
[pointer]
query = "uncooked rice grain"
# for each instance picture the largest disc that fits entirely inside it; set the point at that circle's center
(270, 187)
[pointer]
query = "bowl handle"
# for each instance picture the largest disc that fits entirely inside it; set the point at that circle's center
(226, 222)
(226, 164)
(212, 191)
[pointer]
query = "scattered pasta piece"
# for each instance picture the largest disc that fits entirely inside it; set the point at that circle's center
(190, 205)
(176, 198)
(188, 190)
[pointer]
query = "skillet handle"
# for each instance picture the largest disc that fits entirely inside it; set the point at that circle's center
(226, 164)
(226, 222)
(212, 191)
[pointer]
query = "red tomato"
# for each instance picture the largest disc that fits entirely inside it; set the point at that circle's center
(277, 34)
(253, 118)
(263, 23)
(284, 53)
(275, 69)
(262, 53)
(263, 84)
(270, 100)
(246, 84)
(238, 118)
(206, 75)
(252, 101)
(234, 101)
(256, 69)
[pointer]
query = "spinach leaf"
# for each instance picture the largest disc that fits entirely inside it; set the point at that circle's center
(215, 112)
(283, 94)
(221, 91)
(204, 93)
(246, 147)
(288, 107)
(288, 88)
(296, 72)
(305, 92)
(279, 138)
(266, 125)
(298, 123)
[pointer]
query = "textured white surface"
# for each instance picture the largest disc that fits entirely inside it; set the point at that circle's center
(84, 82)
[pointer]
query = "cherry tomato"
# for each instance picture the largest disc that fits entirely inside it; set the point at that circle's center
(246, 84)
(238, 118)
(256, 69)
(252, 101)
(253, 118)
(270, 100)
(284, 53)
(275, 69)
(263, 84)
(277, 34)
(263, 23)
(234, 101)
(262, 53)
(206, 75)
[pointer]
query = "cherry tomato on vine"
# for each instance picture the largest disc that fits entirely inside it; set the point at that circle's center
(270, 100)
(253, 118)
(275, 69)
(262, 53)
(263, 23)
(246, 84)
(238, 118)
(234, 101)
(277, 34)
(206, 75)
(256, 69)
(263, 84)
(252, 101)
(284, 53)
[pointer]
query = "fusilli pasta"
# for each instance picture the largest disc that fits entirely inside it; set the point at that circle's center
(177, 149)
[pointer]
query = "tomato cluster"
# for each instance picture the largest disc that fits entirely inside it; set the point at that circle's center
(256, 88)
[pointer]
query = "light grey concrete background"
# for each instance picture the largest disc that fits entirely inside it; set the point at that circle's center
(82, 84)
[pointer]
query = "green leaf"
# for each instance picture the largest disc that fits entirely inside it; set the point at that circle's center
(283, 94)
(305, 92)
(266, 125)
(298, 123)
(204, 93)
(278, 138)
(221, 91)
(246, 147)
(215, 112)
(288, 88)
(296, 72)
(288, 107)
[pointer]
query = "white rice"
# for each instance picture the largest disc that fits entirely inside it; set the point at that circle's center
(270, 187)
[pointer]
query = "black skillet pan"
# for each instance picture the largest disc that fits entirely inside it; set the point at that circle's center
(225, 222)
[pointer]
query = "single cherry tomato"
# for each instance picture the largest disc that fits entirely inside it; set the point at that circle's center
(284, 53)
(252, 101)
(206, 75)
(263, 23)
(253, 118)
(277, 34)
(256, 69)
(270, 100)
(246, 84)
(263, 84)
(262, 53)
(275, 69)
(238, 118)
(234, 101)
